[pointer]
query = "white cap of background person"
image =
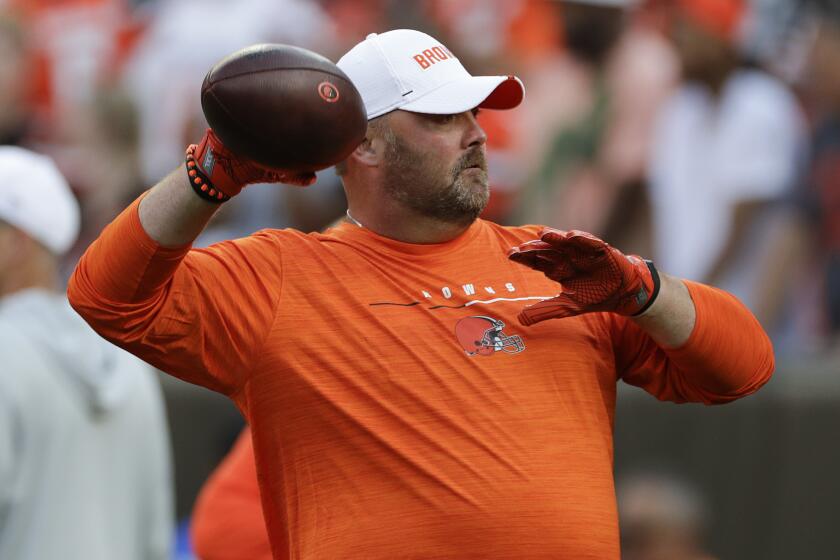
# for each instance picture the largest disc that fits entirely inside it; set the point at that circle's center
(36, 199)
(412, 71)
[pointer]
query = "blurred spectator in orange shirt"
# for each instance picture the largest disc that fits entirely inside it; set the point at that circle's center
(227, 521)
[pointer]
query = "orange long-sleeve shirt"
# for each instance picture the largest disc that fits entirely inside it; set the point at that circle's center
(398, 410)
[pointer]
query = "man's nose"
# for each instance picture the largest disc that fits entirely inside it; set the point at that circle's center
(474, 135)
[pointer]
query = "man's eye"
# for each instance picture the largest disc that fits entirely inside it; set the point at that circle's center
(444, 119)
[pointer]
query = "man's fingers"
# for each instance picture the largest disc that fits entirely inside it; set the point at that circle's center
(554, 233)
(574, 239)
(526, 253)
(552, 265)
(541, 257)
(554, 308)
(540, 248)
(585, 240)
(533, 259)
(562, 255)
(528, 245)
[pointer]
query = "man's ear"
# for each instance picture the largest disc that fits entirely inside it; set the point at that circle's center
(370, 152)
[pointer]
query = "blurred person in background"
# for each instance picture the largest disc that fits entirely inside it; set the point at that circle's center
(227, 521)
(101, 160)
(58, 83)
(15, 120)
(728, 148)
(585, 137)
(73, 48)
(661, 517)
(84, 454)
(822, 192)
(167, 59)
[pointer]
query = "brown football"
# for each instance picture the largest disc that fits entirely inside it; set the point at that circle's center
(284, 107)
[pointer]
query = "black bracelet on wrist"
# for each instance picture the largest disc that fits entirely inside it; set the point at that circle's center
(199, 182)
(652, 297)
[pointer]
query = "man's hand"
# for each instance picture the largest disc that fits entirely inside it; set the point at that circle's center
(593, 275)
(228, 172)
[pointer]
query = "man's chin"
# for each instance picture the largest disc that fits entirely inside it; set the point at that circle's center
(473, 179)
(469, 210)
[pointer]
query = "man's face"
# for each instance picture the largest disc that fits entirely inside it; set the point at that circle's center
(436, 165)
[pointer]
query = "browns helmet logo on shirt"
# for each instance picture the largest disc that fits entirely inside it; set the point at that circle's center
(483, 336)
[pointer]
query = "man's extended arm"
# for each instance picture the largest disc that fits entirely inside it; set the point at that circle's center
(726, 356)
(670, 319)
(679, 340)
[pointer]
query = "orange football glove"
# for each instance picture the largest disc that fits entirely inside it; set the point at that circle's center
(593, 275)
(228, 172)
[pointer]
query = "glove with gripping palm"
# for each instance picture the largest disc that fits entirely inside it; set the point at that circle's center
(212, 164)
(593, 276)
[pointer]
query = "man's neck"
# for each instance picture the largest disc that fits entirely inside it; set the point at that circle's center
(406, 226)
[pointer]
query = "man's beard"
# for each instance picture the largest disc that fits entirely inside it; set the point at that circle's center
(427, 188)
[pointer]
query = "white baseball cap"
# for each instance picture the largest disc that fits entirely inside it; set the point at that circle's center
(409, 70)
(36, 199)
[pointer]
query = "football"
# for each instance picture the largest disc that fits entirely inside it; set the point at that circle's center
(284, 107)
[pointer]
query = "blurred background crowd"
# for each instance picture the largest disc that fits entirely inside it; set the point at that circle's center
(706, 137)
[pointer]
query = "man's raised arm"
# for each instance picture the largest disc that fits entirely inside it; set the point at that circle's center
(172, 214)
(197, 314)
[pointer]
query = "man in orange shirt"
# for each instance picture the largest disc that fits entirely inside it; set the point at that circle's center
(398, 408)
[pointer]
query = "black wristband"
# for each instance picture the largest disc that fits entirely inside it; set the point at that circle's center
(200, 183)
(656, 282)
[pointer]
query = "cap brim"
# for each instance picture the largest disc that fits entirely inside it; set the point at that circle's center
(487, 92)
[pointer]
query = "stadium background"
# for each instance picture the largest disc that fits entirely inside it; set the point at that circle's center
(109, 88)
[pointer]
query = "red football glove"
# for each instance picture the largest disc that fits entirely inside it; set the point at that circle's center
(593, 275)
(228, 172)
